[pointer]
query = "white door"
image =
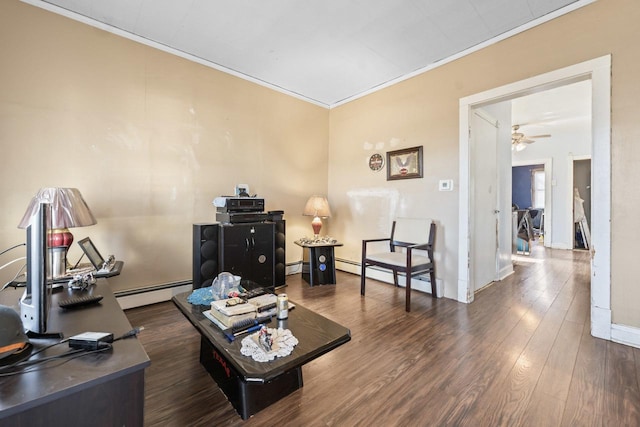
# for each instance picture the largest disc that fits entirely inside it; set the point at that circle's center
(484, 200)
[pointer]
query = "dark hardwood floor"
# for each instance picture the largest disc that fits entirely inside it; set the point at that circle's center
(519, 355)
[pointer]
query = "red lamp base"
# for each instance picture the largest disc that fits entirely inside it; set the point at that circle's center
(59, 240)
(316, 224)
(59, 237)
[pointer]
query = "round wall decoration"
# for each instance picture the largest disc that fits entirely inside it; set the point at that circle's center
(376, 162)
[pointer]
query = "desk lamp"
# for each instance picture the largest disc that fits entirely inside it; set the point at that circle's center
(317, 207)
(68, 209)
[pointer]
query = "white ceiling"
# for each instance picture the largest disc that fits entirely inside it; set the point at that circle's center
(326, 52)
(549, 111)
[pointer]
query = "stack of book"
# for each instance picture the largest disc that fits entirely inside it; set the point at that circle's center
(228, 312)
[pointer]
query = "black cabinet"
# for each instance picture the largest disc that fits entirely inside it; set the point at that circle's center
(253, 251)
(248, 251)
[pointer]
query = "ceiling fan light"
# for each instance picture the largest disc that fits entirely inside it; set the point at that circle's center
(520, 147)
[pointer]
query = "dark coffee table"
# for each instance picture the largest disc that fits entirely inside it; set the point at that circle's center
(251, 386)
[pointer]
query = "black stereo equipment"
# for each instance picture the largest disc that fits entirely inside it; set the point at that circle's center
(205, 254)
(245, 241)
(241, 217)
(239, 204)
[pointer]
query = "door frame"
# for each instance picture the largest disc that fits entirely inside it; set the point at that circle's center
(597, 70)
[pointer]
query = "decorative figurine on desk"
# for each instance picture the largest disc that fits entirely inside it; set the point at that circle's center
(264, 339)
(82, 281)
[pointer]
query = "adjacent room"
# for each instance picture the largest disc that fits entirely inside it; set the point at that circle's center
(199, 201)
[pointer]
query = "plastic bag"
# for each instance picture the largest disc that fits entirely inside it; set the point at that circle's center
(224, 285)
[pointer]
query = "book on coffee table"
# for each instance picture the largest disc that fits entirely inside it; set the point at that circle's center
(228, 311)
(225, 322)
(225, 314)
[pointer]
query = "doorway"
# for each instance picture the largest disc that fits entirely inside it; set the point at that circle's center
(582, 203)
(528, 193)
(598, 72)
(522, 186)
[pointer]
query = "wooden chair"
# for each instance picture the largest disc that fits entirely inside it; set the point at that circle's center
(415, 258)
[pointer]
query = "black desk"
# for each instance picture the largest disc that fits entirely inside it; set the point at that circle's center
(103, 389)
(318, 262)
(249, 385)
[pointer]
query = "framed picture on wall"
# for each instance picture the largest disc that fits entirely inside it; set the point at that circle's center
(404, 164)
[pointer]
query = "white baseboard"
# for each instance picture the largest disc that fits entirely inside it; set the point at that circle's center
(165, 294)
(349, 267)
(601, 323)
(151, 297)
(293, 268)
(506, 272)
(626, 335)
(420, 284)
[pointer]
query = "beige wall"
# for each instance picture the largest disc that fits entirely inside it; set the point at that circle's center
(424, 111)
(149, 139)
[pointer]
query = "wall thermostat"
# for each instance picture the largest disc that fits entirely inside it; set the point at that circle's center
(445, 185)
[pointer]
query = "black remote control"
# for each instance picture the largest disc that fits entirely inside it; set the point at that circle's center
(254, 293)
(79, 301)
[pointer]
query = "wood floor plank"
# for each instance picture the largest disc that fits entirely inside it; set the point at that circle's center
(543, 410)
(585, 401)
(622, 396)
(510, 397)
(520, 354)
(558, 369)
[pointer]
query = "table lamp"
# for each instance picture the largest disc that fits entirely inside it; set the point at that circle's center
(68, 209)
(317, 207)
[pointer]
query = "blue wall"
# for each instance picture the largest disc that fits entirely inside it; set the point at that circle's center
(521, 185)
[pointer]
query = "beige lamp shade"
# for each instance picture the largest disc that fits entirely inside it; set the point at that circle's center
(68, 208)
(317, 206)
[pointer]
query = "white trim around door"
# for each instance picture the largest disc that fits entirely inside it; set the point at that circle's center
(599, 72)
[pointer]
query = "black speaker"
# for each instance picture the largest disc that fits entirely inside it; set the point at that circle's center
(205, 254)
(280, 268)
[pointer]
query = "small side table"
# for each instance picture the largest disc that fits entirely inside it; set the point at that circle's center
(318, 262)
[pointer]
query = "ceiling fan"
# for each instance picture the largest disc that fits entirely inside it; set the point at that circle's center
(519, 140)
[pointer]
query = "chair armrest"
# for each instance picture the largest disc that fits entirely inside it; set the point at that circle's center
(421, 246)
(364, 245)
(376, 240)
(424, 247)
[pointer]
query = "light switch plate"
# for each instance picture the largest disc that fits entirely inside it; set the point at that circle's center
(445, 185)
